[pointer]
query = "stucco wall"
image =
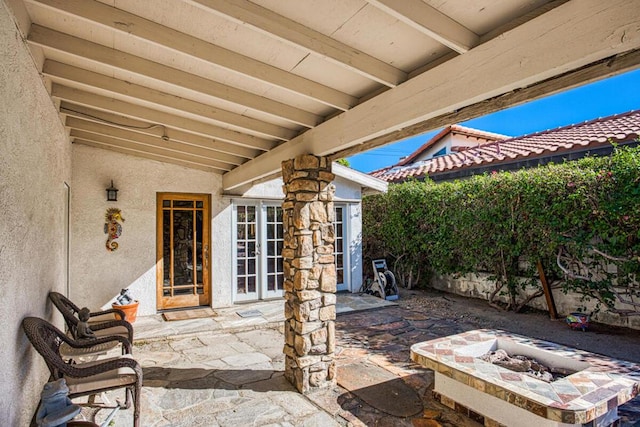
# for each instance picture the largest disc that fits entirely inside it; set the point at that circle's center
(479, 286)
(345, 190)
(34, 166)
(98, 275)
(444, 142)
(355, 245)
(222, 253)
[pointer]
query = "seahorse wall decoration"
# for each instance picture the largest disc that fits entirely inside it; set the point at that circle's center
(112, 227)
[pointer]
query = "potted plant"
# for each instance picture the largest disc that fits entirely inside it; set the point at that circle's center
(127, 304)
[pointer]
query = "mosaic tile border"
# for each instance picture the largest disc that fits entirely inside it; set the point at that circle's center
(576, 399)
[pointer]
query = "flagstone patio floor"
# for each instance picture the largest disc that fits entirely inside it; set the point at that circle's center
(228, 370)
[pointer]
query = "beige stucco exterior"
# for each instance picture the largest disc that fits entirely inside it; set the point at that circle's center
(35, 164)
(97, 275)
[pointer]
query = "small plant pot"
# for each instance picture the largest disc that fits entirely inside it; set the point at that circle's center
(130, 310)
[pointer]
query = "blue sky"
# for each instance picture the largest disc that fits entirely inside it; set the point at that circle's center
(599, 99)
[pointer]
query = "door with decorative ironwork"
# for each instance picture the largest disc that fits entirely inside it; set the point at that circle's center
(183, 240)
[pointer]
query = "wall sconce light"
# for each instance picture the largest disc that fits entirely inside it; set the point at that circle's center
(112, 193)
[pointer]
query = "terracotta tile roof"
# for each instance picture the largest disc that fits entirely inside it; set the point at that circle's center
(453, 129)
(593, 134)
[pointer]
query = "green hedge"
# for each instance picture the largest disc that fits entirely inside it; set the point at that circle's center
(494, 222)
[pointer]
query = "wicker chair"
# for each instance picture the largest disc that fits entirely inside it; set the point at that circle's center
(86, 379)
(100, 328)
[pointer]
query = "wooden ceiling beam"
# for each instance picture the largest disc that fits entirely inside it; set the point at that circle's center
(571, 36)
(47, 38)
(99, 102)
(153, 129)
(66, 74)
(607, 67)
(274, 25)
(431, 22)
(180, 42)
(149, 148)
(146, 155)
(160, 141)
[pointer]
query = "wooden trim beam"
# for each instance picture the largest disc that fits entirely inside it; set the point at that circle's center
(152, 148)
(274, 25)
(581, 32)
(431, 22)
(602, 69)
(159, 141)
(146, 155)
(51, 39)
(77, 96)
(180, 42)
(67, 74)
(95, 116)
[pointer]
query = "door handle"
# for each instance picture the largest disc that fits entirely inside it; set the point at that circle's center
(206, 256)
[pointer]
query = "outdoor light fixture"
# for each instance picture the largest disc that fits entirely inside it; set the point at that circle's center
(112, 193)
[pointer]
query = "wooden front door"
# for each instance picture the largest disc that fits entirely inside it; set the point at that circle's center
(183, 241)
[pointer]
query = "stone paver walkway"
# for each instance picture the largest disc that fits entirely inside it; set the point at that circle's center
(228, 371)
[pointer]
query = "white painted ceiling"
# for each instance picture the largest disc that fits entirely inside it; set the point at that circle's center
(219, 84)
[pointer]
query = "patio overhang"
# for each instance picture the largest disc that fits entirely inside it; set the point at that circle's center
(236, 87)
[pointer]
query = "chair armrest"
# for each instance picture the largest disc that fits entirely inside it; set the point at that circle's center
(80, 371)
(109, 311)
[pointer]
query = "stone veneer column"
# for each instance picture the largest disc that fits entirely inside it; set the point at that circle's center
(309, 273)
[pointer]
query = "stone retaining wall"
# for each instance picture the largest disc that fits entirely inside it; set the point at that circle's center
(479, 286)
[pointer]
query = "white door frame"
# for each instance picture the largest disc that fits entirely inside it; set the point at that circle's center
(270, 249)
(346, 246)
(261, 254)
(249, 275)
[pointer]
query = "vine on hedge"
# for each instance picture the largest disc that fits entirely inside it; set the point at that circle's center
(580, 219)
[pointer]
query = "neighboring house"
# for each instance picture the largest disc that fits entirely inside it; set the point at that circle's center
(449, 140)
(164, 205)
(447, 156)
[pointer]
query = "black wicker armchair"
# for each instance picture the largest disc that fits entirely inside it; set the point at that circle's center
(86, 379)
(101, 328)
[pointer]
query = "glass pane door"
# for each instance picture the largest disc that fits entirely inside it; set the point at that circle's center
(259, 240)
(273, 242)
(247, 252)
(183, 250)
(339, 248)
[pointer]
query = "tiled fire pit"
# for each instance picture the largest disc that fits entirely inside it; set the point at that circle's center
(494, 395)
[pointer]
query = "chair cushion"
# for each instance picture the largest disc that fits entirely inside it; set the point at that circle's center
(116, 330)
(102, 318)
(110, 379)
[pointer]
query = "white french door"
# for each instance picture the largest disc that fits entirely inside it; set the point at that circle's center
(340, 251)
(258, 240)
